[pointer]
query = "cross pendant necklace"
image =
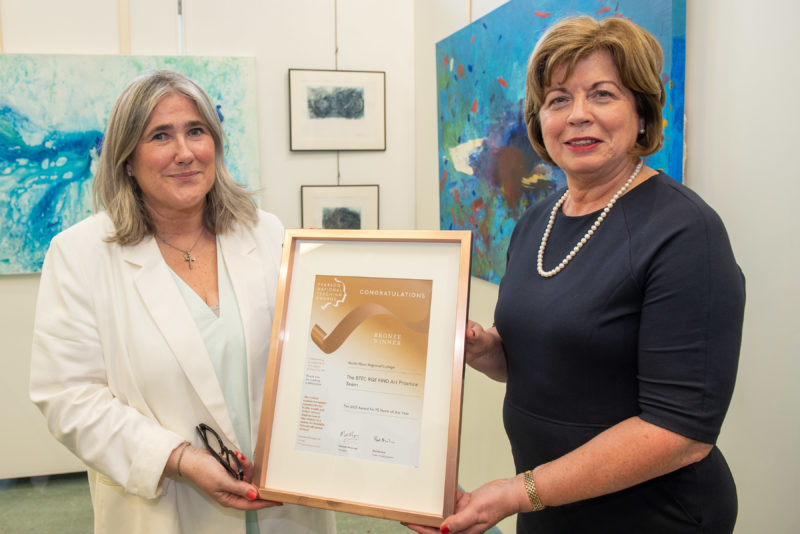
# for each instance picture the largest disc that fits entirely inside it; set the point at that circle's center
(188, 258)
(187, 254)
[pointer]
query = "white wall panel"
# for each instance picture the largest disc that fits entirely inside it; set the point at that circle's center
(365, 45)
(153, 27)
(741, 80)
(50, 27)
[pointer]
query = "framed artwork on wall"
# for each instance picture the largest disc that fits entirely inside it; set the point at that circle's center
(362, 396)
(343, 207)
(337, 110)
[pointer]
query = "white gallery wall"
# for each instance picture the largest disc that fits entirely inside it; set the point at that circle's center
(743, 71)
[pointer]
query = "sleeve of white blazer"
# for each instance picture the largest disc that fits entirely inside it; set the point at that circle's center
(69, 383)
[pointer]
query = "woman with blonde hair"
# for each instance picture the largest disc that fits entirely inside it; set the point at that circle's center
(153, 324)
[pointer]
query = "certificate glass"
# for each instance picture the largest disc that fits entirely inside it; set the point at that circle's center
(362, 398)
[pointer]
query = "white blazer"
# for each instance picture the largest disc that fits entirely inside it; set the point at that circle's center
(121, 373)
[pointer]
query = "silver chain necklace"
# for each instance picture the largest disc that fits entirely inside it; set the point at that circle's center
(589, 233)
(187, 254)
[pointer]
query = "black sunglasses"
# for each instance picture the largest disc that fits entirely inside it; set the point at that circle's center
(223, 454)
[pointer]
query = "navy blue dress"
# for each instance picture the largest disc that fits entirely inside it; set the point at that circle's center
(645, 321)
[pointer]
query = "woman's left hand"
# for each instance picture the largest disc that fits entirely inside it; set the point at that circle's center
(481, 509)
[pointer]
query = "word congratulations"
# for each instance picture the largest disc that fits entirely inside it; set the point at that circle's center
(391, 293)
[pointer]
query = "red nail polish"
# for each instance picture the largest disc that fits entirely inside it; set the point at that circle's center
(252, 494)
(445, 529)
(240, 455)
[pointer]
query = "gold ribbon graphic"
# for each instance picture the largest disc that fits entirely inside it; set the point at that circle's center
(352, 320)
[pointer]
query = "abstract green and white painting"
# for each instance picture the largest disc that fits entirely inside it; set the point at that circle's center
(53, 113)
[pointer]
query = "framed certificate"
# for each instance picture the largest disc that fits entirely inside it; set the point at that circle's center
(362, 398)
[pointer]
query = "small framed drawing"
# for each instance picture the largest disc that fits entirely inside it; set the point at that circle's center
(337, 110)
(343, 207)
(362, 397)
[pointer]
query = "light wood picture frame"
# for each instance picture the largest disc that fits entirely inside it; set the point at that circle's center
(337, 110)
(362, 397)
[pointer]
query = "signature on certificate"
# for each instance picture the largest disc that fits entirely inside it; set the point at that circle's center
(383, 439)
(348, 436)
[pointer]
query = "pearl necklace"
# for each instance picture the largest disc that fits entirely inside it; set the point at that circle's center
(589, 233)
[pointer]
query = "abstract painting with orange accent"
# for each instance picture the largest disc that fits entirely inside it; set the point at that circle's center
(488, 172)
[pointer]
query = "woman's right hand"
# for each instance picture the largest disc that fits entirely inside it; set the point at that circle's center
(483, 350)
(207, 474)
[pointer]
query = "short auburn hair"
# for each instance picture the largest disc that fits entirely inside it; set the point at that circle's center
(636, 54)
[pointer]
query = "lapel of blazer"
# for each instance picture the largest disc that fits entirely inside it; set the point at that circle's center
(166, 305)
(248, 277)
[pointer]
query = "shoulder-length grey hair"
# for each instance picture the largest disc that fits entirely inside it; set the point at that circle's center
(227, 203)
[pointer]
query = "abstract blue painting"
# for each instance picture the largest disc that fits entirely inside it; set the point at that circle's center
(53, 113)
(488, 172)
